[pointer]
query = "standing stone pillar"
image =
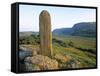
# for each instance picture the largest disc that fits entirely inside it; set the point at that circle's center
(45, 34)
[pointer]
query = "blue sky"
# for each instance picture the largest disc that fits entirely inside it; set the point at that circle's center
(61, 17)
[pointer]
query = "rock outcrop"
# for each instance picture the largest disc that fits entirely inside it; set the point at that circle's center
(43, 62)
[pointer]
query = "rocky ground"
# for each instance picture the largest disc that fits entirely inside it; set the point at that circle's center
(31, 60)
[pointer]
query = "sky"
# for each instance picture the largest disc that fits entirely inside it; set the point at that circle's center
(61, 17)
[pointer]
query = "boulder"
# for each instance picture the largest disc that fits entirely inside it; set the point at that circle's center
(44, 62)
(31, 67)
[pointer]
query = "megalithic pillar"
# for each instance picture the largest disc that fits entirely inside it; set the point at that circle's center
(45, 34)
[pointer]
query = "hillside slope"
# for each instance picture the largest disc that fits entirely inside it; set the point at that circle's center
(79, 29)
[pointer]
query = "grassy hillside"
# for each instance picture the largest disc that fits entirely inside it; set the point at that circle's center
(69, 51)
(79, 48)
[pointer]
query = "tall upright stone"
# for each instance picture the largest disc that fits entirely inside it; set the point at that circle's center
(45, 34)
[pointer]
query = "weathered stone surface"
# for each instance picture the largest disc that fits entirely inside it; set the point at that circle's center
(44, 62)
(27, 51)
(45, 33)
(24, 52)
(31, 67)
(62, 58)
(73, 64)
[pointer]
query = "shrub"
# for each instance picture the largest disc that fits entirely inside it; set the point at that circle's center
(33, 39)
(59, 42)
(71, 43)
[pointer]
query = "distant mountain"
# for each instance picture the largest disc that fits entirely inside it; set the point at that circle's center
(79, 29)
(62, 31)
(84, 29)
(28, 33)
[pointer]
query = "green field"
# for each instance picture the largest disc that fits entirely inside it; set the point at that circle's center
(81, 49)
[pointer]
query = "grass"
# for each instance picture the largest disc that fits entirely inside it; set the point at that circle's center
(78, 41)
(83, 49)
(80, 49)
